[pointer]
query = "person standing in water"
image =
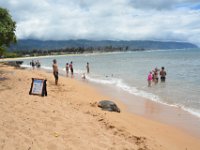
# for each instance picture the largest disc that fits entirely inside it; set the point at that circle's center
(55, 71)
(87, 67)
(67, 69)
(163, 74)
(71, 69)
(33, 64)
(149, 79)
(155, 75)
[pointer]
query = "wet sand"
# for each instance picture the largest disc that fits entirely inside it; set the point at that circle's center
(170, 115)
(68, 118)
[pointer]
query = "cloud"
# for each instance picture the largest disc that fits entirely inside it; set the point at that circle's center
(176, 20)
(162, 4)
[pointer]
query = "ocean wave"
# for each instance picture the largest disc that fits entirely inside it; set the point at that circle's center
(115, 82)
(161, 50)
(77, 71)
(130, 89)
(119, 83)
(46, 67)
(26, 66)
(101, 81)
(42, 67)
(192, 111)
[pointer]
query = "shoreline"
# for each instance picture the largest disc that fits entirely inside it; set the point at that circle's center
(187, 109)
(156, 111)
(144, 107)
(68, 118)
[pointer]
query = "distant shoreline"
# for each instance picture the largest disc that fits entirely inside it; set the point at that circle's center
(85, 53)
(84, 44)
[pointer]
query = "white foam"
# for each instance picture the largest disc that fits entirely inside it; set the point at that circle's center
(116, 82)
(46, 67)
(77, 71)
(102, 80)
(43, 67)
(193, 111)
(26, 66)
(120, 84)
(133, 90)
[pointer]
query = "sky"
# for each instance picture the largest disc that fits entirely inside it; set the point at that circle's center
(163, 20)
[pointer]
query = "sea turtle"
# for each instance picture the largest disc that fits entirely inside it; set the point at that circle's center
(108, 105)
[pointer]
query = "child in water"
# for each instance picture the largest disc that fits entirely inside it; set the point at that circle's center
(149, 79)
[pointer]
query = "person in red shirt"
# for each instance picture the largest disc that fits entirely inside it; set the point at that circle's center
(149, 79)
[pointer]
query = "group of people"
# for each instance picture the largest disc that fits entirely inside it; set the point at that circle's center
(69, 67)
(35, 64)
(154, 76)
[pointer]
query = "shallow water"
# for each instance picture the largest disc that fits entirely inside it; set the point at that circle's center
(128, 71)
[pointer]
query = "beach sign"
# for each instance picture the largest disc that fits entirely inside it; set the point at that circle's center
(38, 87)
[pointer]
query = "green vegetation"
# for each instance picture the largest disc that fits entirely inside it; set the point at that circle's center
(28, 44)
(7, 30)
(72, 50)
(11, 55)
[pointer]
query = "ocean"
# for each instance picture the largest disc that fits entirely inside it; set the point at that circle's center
(128, 71)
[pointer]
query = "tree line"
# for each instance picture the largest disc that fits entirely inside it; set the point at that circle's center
(72, 50)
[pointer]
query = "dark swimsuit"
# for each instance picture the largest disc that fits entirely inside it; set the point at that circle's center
(162, 78)
(55, 75)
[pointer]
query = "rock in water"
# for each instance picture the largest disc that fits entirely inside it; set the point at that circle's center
(108, 105)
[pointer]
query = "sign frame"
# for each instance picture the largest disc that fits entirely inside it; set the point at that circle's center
(38, 87)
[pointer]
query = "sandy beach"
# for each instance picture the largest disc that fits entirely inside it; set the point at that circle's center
(68, 118)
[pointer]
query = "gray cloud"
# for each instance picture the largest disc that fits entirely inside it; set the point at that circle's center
(161, 4)
(103, 19)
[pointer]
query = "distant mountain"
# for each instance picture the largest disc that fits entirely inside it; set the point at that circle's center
(130, 45)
